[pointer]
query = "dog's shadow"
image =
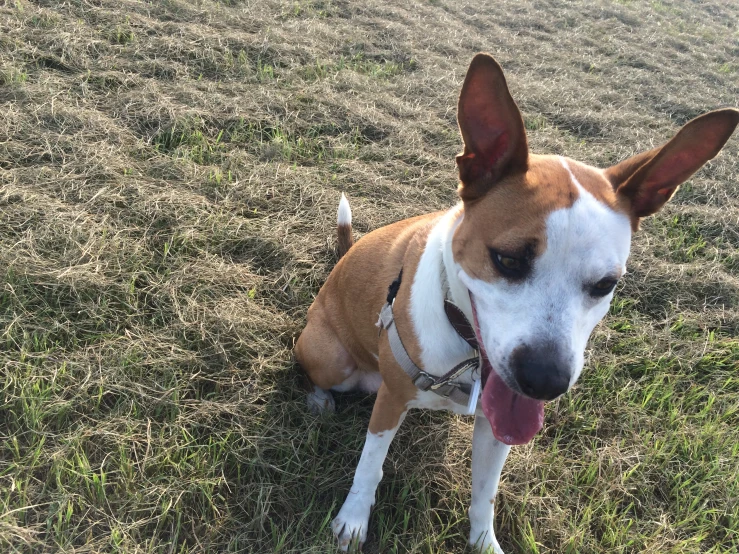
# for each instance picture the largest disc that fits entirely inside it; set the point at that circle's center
(305, 463)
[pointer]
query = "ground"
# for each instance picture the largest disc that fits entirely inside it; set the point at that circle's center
(169, 176)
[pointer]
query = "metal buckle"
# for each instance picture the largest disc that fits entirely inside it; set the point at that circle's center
(471, 363)
(429, 384)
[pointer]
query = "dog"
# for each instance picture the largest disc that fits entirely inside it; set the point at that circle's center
(493, 300)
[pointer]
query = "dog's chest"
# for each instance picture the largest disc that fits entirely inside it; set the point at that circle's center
(441, 347)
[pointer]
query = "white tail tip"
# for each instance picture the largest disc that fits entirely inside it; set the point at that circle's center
(344, 215)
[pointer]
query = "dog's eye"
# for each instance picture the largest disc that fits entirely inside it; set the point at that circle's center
(509, 263)
(603, 287)
(508, 266)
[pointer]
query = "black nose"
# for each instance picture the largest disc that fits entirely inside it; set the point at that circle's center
(541, 371)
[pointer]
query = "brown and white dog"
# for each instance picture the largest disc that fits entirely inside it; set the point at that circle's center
(531, 255)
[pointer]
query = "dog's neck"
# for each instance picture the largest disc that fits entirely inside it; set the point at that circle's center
(458, 293)
(437, 272)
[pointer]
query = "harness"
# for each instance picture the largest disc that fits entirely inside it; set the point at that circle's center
(445, 385)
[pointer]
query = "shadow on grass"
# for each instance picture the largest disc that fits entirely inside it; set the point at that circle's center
(303, 466)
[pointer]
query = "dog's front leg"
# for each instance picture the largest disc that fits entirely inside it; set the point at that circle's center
(488, 457)
(350, 526)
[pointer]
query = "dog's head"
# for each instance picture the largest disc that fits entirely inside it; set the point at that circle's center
(544, 239)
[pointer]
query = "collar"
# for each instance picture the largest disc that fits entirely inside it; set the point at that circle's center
(446, 386)
(454, 314)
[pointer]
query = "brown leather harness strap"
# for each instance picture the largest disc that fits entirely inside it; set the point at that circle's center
(461, 324)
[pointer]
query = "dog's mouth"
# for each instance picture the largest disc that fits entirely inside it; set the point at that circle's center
(515, 418)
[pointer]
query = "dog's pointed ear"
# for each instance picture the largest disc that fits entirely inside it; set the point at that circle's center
(492, 129)
(648, 180)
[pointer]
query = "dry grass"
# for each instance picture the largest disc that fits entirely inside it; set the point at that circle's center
(169, 173)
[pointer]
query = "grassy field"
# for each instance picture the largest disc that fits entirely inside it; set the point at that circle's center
(169, 175)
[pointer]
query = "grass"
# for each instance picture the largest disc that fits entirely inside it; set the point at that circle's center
(169, 174)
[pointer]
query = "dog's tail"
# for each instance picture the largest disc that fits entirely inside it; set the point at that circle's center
(344, 226)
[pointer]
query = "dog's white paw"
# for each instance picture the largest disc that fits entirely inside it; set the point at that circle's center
(320, 401)
(485, 542)
(350, 526)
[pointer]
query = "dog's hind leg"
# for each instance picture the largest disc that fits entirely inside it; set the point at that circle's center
(324, 360)
(488, 457)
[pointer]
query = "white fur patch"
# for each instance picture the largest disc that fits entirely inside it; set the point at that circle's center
(441, 347)
(488, 457)
(350, 525)
(344, 213)
(320, 400)
(567, 167)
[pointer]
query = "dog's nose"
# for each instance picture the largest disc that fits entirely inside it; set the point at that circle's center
(540, 371)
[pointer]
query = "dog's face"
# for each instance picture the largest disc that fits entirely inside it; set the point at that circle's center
(544, 240)
(541, 255)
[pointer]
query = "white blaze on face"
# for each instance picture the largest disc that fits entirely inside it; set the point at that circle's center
(584, 243)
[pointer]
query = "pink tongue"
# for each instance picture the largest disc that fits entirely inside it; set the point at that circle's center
(515, 419)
